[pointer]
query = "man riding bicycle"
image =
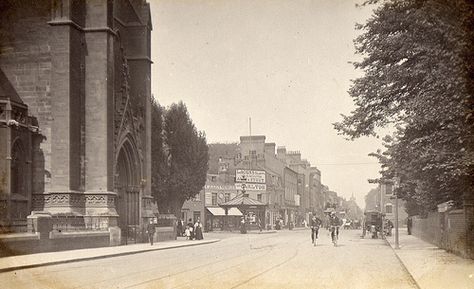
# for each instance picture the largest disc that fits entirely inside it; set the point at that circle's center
(315, 224)
(334, 223)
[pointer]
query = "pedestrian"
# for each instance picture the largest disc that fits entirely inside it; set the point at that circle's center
(315, 224)
(389, 227)
(187, 233)
(409, 225)
(179, 228)
(198, 230)
(191, 229)
(151, 231)
(243, 230)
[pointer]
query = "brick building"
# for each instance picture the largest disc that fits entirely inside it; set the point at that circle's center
(281, 194)
(293, 188)
(75, 115)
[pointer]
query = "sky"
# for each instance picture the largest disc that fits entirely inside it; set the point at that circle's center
(282, 63)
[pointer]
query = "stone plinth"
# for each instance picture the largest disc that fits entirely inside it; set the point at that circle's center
(40, 223)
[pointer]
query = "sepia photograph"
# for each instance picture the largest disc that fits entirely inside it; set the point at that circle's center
(221, 144)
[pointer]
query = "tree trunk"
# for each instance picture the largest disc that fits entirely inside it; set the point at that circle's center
(176, 207)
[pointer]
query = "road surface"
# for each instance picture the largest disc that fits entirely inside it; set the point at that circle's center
(285, 259)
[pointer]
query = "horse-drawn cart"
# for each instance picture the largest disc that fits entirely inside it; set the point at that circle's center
(372, 223)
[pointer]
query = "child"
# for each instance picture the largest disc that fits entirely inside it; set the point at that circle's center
(187, 232)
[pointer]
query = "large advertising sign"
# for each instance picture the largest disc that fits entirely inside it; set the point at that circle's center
(250, 176)
(250, 187)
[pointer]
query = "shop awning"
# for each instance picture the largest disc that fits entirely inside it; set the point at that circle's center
(218, 211)
(234, 212)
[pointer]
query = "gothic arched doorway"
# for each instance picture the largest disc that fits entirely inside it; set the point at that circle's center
(128, 191)
(18, 182)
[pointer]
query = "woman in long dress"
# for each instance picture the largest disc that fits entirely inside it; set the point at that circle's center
(198, 230)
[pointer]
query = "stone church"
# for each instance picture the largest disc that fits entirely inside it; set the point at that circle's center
(75, 116)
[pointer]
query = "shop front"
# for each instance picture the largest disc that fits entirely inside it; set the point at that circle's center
(217, 219)
(252, 210)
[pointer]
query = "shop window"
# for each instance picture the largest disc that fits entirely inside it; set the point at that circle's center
(259, 197)
(226, 197)
(214, 199)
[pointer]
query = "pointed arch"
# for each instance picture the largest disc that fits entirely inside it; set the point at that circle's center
(18, 168)
(128, 175)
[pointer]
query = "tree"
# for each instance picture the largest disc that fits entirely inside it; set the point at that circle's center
(418, 78)
(159, 168)
(183, 157)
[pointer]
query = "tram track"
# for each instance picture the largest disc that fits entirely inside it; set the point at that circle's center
(200, 267)
(174, 265)
(272, 267)
(231, 268)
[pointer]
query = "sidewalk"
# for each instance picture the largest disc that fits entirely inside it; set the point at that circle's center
(51, 258)
(432, 267)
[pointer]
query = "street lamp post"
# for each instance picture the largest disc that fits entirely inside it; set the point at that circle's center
(382, 187)
(397, 244)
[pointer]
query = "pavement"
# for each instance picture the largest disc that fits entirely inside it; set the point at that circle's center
(432, 267)
(13, 263)
(248, 232)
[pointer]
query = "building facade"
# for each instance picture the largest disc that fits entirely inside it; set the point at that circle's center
(382, 199)
(75, 77)
(292, 191)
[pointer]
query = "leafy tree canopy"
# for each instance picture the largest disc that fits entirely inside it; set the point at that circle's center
(180, 157)
(418, 68)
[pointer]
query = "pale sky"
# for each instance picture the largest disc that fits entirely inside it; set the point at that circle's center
(284, 63)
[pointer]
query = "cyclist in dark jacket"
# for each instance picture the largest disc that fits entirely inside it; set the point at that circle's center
(315, 223)
(334, 224)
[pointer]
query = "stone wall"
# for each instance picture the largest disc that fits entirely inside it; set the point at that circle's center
(29, 243)
(445, 230)
(25, 58)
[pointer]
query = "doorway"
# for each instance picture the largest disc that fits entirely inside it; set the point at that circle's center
(128, 193)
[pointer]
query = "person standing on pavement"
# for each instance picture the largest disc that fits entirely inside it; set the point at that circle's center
(198, 230)
(151, 231)
(259, 223)
(191, 229)
(179, 228)
(243, 229)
